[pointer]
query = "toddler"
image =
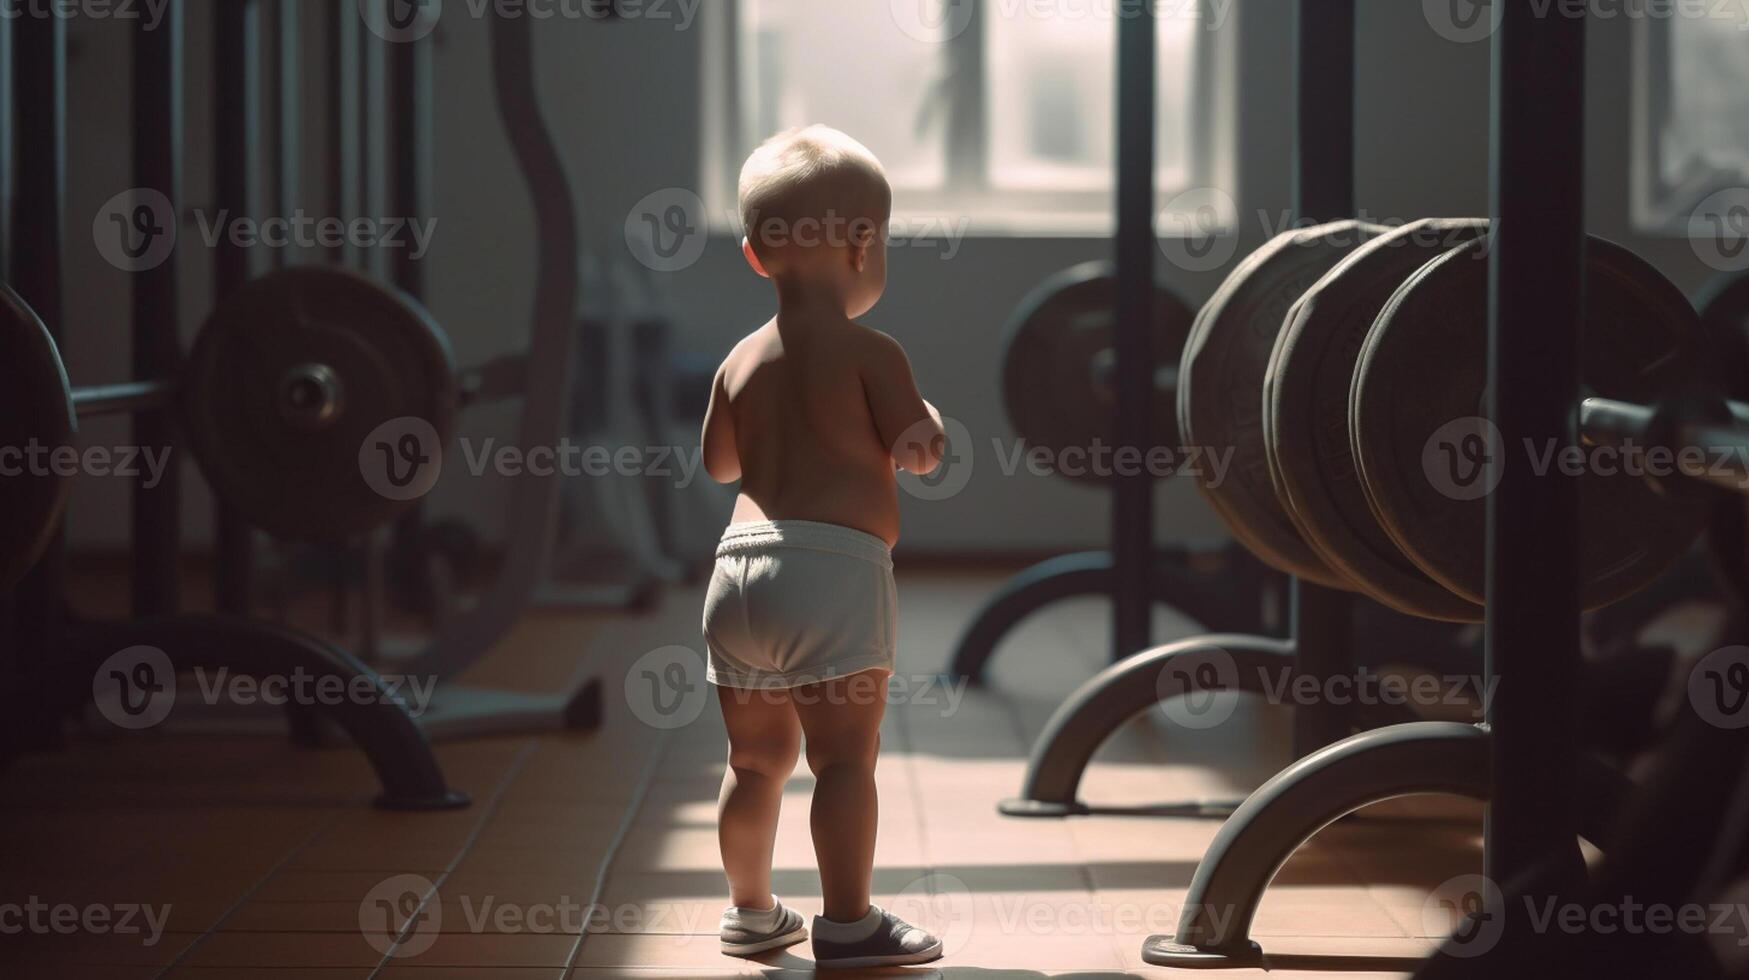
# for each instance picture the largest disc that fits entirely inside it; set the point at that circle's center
(813, 414)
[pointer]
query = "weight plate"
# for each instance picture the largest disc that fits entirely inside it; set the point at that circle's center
(1419, 388)
(318, 402)
(1058, 360)
(1305, 417)
(38, 422)
(1724, 314)
(1220, 386)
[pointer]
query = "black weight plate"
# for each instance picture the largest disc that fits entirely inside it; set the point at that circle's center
(1724, 313)
(1424, 367)
(38, 420)
(299, 480)
(1305, 418)
(1220, 386)
(1057, 359)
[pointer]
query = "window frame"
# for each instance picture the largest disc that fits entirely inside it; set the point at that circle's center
(968, 203)
(1657, 206)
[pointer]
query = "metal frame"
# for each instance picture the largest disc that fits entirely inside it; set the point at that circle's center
(60, 654)
(1320, 620)
(158, 158)
(1527, 764)
(236, 96)
(383, 729)
(1231, 599)
(460, 711)
(35, 608)
(1111, 698)
(1400, 760)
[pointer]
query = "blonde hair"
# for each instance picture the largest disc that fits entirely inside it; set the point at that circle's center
(812, 185)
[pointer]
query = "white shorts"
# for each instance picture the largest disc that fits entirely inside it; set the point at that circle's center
(799, 602)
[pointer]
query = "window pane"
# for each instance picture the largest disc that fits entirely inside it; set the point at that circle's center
(1052, 96)
(1708, 128)
(847, 65)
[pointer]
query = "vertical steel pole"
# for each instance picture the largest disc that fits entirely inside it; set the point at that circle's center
(1536, 306)
(237, 170)
(158, 135)
(1132, 530)
(1321, 620)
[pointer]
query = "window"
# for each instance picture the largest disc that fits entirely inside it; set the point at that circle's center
(1691, 125)
(1000, 111)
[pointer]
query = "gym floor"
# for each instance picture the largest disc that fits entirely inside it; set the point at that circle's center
(270, 858)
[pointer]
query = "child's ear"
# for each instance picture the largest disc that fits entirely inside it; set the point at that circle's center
(858, 257)
(753, 258)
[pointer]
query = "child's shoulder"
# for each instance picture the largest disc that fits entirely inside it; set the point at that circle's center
(747, 346)
(874, 343)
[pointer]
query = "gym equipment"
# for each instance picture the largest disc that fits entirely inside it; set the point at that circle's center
(1320, 620)
(1060, 386)
(1424, 366)
(1305, 418)
(1724, 314)
(1220, 405)
(58, 653)
(40, 414)
(290, 381)
(1059, 363)
(1526, 761)
(605, 524)
(459, 711)
(1376, 461)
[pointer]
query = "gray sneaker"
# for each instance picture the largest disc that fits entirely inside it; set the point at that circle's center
(894, 942)
(741, 940)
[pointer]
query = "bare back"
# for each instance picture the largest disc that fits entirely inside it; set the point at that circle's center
(811, 412)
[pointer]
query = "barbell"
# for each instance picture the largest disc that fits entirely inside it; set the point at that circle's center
(1344, 365)
(289, 380)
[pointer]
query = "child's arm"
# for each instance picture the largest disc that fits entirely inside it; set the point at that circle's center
(910, 426)
(722, 460)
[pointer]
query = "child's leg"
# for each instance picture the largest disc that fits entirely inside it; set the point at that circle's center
(842, 719)
(764, 740)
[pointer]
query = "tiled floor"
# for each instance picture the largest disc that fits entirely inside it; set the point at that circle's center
(265, 860)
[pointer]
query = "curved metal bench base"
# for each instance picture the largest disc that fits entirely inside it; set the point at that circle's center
(1092, 573)
(1401, 760)
(1110, 698)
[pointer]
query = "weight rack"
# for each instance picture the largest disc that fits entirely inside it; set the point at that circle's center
(1542, 792)
(49, 657)
(1320, 620)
